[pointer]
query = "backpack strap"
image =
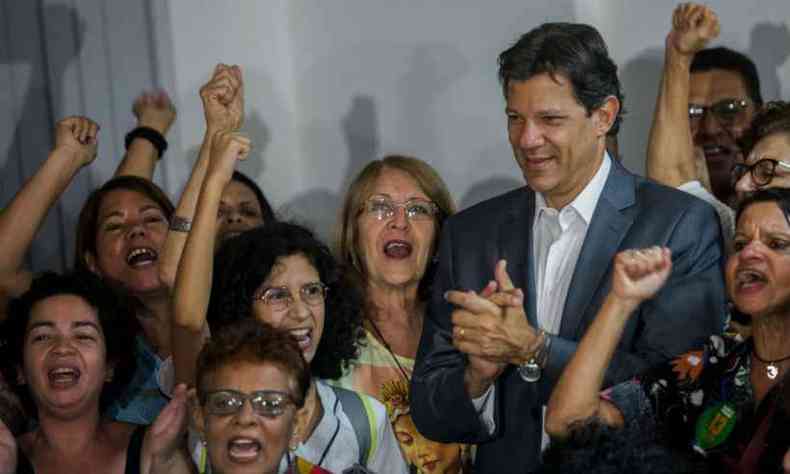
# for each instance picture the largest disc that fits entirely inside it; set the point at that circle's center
(359, 412)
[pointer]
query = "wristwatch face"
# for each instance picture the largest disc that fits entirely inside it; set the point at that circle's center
(530, 372)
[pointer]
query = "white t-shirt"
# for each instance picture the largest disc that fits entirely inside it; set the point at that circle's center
(725, 212)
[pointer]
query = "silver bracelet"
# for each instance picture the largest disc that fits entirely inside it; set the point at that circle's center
(180, 224)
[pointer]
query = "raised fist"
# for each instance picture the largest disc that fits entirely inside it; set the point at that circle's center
(227, 148)
(693, 27)
(639, 274)
(154, 109)
(79, 136)
(223, 99)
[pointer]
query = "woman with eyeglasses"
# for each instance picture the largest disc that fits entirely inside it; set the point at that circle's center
(388, 235)
(282, 275)
(252, 382)
(725, 404)
(767, 147)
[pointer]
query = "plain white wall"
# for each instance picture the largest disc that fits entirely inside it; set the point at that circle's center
(331, 85)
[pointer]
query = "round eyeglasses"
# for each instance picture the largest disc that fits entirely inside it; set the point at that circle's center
(268, 403)
(383, 208)
(762, 171)
(280, 297)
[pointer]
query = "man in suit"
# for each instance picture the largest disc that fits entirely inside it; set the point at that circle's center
(488, 361)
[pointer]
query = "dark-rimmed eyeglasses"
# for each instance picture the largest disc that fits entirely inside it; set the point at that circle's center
(726, 111)
(280, 297)
(762, 171)
(382, 208)
(268, 403)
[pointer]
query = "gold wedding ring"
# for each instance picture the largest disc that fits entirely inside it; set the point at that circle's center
(461, 332)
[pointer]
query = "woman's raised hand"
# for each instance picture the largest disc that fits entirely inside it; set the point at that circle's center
(77, 136)
(640, 273)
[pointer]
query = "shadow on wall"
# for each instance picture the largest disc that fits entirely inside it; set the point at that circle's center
(255, 128)
(486, 189)
(318, 208)
(46, 40)
(640, 78)
(769, 48)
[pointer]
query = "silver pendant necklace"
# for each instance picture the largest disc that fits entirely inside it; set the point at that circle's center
(771, 366)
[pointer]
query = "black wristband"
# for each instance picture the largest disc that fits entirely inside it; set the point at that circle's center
(148, 133)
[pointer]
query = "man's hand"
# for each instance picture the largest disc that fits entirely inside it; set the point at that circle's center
(155, 110)
(8, 459)
(227, 148)
(693, 27)
(165, 437)
(77, 136)
(223, 99)
(492, 329)
(639, 274)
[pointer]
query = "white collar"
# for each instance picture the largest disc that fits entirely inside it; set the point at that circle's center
(586, 201)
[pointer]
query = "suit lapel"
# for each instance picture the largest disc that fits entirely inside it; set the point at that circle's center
(515, 244)
(606, 231)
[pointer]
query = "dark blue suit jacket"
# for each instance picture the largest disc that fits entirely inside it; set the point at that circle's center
(632, 212)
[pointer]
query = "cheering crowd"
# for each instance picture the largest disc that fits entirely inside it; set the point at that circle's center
(591, 321)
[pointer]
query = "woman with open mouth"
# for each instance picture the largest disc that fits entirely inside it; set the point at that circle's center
(282, 275)
(252, 381)
(724, 405)
(67, 353)
(120, 236)
(388, 235)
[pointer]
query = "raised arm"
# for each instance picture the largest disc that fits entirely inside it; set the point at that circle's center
(154, 111)
(223, 106)
(637, 276)
(671, 158)
(193, 281)
(75, 147)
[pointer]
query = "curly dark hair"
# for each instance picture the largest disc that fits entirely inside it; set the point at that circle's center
(596, 448)
(256, 342)
(114, 311)
(773, 117)
(574, 50)
(244, 262)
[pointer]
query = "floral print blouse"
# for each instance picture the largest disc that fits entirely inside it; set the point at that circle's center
(703, 401)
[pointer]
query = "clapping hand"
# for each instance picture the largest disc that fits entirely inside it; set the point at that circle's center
(693, 27)
(223, 99)
(639, 274)
(491, 328)
(164, 439)
(77, 136)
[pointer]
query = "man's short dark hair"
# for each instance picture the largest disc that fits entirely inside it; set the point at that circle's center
(729, 60)
(573, 50)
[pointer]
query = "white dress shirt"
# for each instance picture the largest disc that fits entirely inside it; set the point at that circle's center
(556, 243)
(557, 238)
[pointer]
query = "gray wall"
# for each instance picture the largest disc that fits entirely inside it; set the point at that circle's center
(79, 57)
(329, 85)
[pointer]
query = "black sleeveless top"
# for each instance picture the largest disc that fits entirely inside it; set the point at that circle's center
(133, 452)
